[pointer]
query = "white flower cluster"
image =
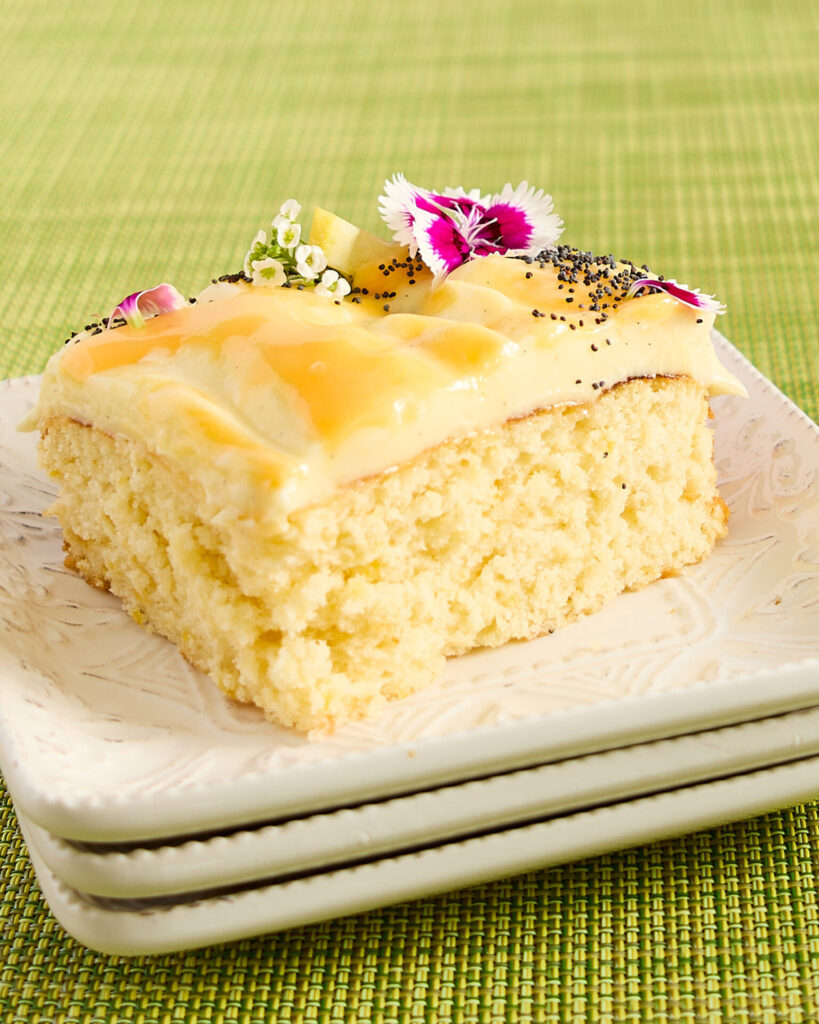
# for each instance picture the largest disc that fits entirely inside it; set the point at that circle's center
(283, 260)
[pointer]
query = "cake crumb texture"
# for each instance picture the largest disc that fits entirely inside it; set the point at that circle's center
(323, 616)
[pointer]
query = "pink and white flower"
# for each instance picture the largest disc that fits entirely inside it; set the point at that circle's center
(448, 228)
(680, 292)
(162, 299)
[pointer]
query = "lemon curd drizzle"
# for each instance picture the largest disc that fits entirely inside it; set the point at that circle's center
(296, 395)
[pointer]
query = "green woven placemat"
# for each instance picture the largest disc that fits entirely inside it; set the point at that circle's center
(148, 141)
(715, 927)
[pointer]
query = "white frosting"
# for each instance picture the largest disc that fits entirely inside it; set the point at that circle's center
(273, 398)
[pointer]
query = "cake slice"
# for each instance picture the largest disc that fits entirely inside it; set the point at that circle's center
(319, 500)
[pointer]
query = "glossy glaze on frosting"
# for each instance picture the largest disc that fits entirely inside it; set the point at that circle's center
(273, 397)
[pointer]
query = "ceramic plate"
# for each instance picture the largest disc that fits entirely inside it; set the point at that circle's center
(138, 927)
(106, 733)
(322, 840)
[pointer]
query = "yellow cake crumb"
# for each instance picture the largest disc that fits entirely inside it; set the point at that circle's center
(323, 615)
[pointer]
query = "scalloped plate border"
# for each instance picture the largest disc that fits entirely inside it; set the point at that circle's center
(107, 734)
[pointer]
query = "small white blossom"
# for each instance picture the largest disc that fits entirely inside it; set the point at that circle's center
(288, 214)
(268, 272)
(310, 261)
(288, 235)
(333, 286)
(290, 209)
(260, 239)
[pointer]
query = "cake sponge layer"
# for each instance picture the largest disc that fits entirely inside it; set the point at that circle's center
(506, 533)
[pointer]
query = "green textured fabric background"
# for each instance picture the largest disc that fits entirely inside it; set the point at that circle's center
(149, 141)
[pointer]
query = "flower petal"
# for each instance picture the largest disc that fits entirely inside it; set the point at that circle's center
(680, 292)
(162, 299)
(397, 207)
(524, 218)
(474, 194)
(332, 285)
(290, 209)
(288, 235)
(440, 243)
(268, 273)
(452, 202)
(509, 226)
(310, 261)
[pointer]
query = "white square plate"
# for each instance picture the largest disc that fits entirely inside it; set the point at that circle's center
(144, 926)
(107, 734)
(321, 841)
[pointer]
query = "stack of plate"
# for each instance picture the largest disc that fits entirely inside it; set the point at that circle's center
(160, 815)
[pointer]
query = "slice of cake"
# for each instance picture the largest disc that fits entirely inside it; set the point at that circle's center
(320, 496)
